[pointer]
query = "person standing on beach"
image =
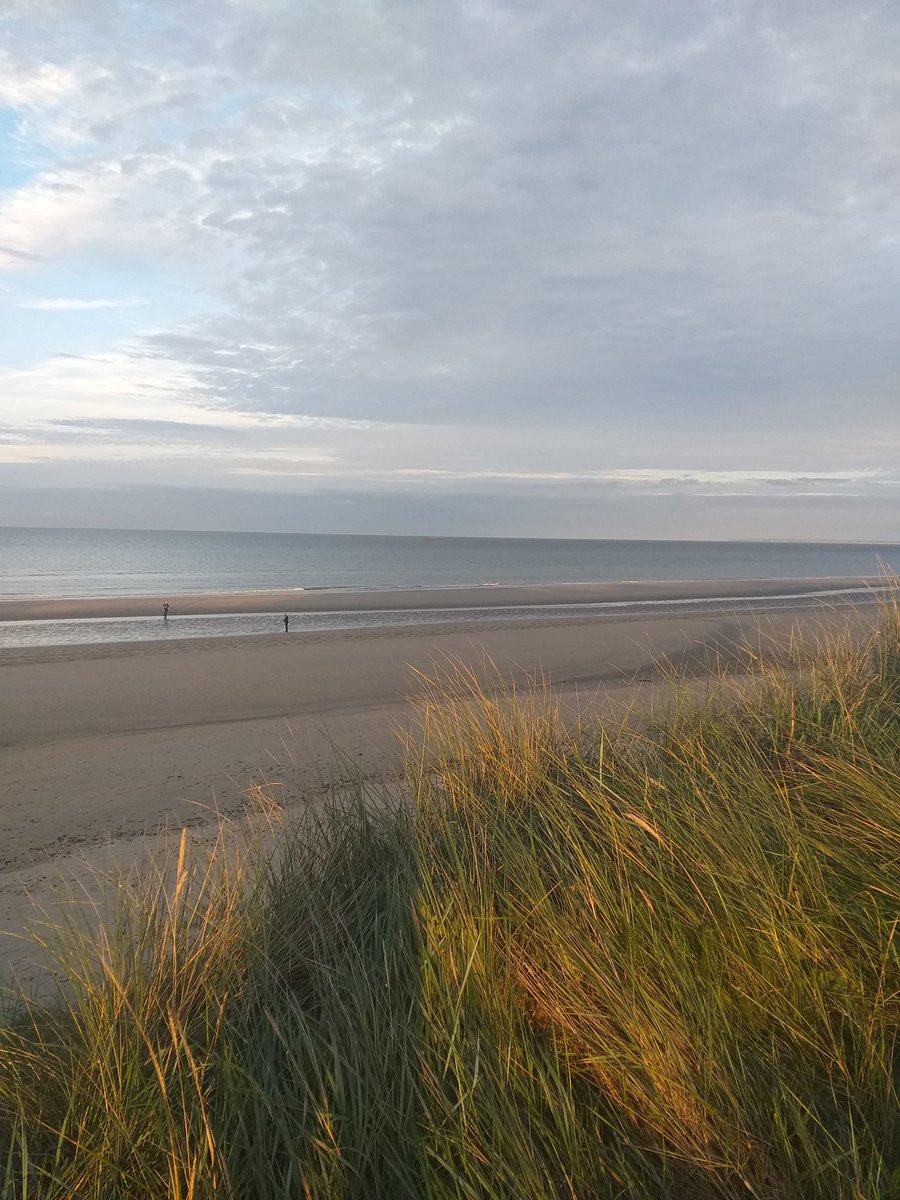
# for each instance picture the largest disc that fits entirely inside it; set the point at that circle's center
(166, 611)
(287, 621)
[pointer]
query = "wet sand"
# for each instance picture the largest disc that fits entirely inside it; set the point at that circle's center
(326, 600)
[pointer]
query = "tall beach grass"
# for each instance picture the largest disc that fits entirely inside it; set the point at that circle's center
(656, 959)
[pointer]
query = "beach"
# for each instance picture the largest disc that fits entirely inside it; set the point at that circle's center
(106, 746)
(319, 600)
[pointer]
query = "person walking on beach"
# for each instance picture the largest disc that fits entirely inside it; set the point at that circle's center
(166, 611)
(287, 621)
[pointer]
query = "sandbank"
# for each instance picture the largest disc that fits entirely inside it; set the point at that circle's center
(488, 596)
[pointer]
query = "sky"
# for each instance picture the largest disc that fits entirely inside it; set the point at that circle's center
(575, 268)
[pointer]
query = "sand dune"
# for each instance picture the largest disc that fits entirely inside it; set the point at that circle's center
(104, 746)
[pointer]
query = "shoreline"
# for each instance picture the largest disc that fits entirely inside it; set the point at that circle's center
(325, 600)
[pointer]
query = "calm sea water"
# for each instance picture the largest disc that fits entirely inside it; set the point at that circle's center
(74, 563)
(105, 562)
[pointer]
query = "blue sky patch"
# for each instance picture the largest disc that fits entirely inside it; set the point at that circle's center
(13, 169)
(86, 308)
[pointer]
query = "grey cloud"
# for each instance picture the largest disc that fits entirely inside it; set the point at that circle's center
(533, 515)
(11, 435)
(15, 253)
(71, 189)
(136, 430)
(670, 227)
(606, 241)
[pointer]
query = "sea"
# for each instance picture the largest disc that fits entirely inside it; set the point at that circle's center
(75, 563)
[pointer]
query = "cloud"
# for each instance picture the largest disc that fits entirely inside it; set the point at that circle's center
(57, 212)
(520, 245)
(15, 256)
(656, 476)
(664, 482)
(534, 514)
(39, 87)
(63, 304)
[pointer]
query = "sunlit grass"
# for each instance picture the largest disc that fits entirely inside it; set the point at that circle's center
(653, 959)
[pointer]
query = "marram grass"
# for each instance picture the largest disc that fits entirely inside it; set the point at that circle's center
(651, 961)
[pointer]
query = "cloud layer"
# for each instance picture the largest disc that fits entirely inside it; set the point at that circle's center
(650, 248)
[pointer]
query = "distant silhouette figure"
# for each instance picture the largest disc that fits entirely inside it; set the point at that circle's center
(166, 611)
(287, 621)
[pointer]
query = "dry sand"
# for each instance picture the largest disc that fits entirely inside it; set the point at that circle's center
(104, 747)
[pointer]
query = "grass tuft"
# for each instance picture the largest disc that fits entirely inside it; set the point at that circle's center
(651, 959)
